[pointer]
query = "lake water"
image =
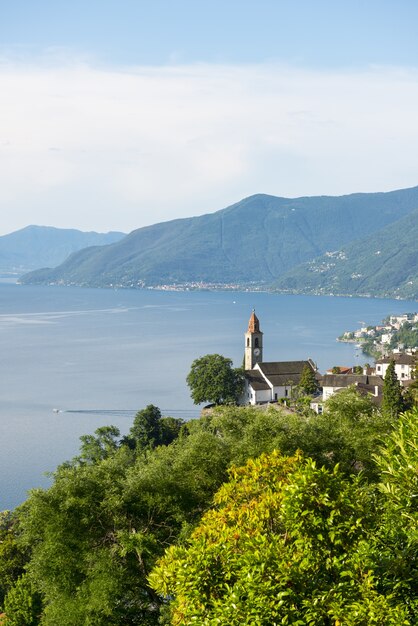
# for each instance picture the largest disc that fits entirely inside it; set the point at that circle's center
(101, 355)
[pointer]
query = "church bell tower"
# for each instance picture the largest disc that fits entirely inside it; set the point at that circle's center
(253, 343)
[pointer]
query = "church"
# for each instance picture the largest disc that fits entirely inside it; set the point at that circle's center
(271, 380)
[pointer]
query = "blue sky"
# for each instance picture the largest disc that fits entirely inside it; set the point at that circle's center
(115, 115)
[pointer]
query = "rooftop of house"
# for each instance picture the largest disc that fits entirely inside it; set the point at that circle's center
(401, 358)
(343, 369)
(345, 380)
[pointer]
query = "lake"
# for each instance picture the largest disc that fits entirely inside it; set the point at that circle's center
(100, 355)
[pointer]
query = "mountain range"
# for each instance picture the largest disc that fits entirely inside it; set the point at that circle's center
(39, 246)
(383, 264)
(265, 240)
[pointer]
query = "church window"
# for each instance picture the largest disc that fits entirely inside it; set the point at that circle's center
(248, 342)
(256, 342)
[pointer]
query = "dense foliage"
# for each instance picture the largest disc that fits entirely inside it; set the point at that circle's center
(284, 545)
(407, 335)
(83, 551)
(213, 379)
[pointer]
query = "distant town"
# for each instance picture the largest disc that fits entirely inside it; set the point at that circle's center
(395, 334)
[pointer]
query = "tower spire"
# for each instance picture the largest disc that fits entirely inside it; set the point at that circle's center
(253, 343)
(253, 324)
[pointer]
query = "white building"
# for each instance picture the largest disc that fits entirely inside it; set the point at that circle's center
(364, 384)
(404, 365)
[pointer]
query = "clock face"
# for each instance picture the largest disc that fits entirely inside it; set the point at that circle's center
(257, 351)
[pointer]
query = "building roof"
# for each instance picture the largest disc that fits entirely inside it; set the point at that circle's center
(276, 374)
(345, 380)
(253, 324)
(282, 373)
(278, 368)
(343, 369)
(403, 359)
(256, 380)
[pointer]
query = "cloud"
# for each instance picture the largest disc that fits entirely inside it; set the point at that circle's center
(105, 148)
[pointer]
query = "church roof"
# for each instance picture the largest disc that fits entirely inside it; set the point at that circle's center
(256, 380)
(282, 373)
(253, 324)
(279, 368)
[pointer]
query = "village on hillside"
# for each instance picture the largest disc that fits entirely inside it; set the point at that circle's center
(396, 333)
(271, 382)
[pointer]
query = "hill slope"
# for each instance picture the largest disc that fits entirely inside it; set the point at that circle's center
(383, 264)
(37, 246)
(255, 240)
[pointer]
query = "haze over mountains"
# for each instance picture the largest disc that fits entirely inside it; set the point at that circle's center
(266, 240)
(37, 246)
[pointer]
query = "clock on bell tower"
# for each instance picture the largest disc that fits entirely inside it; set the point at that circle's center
(253, 343)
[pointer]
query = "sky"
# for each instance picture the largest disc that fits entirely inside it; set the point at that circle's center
(117, 114)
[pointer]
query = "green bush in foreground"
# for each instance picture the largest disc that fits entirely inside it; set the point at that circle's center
(283, 545)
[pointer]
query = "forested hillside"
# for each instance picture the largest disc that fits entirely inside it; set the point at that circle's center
(322, 536)
(383, 264)
(256, 240)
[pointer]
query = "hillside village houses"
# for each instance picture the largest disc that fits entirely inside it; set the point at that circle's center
(274, 381)
(404, 365)
(383, 332)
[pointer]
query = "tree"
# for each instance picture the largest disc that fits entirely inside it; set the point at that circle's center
(213, 379)
(150, 429)
(392, 403)
(308, 382)
(96, 533)
(394, 549)
(283, 546)
(96, 448)
(23, 604)
(12, 557)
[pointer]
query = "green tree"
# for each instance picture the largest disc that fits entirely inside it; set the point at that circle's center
(213, 379)
(394, 549)
(392, 402)
(150, 429)
(308, 383)
(283, 545)
(97, 531)
(99, 446)
(23, 604)
(12, 557)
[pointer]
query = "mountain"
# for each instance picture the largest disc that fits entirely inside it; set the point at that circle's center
(256, 240)
(383, 264)
(38, 246)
